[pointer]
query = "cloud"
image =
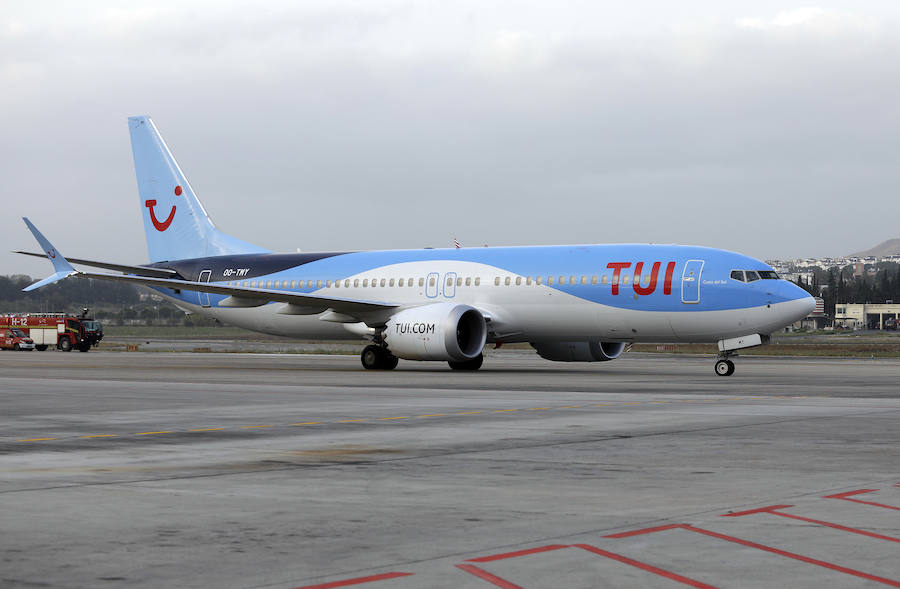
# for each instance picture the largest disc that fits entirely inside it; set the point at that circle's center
(813, 19)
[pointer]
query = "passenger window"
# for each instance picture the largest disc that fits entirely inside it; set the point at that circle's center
(468, 281)
(738, 275)
(538, 280)
(449, 281)
(421, 282)
(518, 281)
(318, 284)
(478, 281)
(593, 279)
(549, 281)
(365, 282)
(507, 281)
(391, 282)
(497, 281)
(604, 279)
(253, 284)
(751, 276)
(528, 281)
(399, 283)
(562, 279)
(347, 283)
(356, 283)
(268, 284)
(293, 284)
(637, 278)
(615, 279)
(626, 279)
(337, 283)
(459, 282)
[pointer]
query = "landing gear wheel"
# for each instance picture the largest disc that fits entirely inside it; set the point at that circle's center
(724, 367)
(377, 358)
(473, 364)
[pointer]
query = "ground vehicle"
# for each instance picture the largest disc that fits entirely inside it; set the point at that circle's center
(57, 329)
(15, 339)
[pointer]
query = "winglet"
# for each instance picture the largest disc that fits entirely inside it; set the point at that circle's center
(60, 264)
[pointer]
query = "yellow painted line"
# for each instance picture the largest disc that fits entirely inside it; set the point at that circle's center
(504, 410)
(384, 418)
(602, 404)
(308, 423)
(633, 403)
(349, 420)
(208, 429)
(153, 433)
(468, 412)
(538, 409)
(432, 415)
(255, 426)
(571, 406)
(36, 439)
(100, 436)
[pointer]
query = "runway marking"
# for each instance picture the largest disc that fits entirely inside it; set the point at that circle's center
(428, 415)
(749, 544)
(846, 497)
(357, 581)
(500, 582)
(775, 510)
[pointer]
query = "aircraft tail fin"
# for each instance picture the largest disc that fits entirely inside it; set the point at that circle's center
(175, 223)
(62, 267)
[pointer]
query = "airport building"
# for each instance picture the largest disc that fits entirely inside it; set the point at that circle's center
(867, 316)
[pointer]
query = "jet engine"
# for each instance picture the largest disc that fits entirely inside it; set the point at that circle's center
(441, 331)
(579, 351)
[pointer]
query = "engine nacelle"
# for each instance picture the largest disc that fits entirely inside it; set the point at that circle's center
(579, 351)
(442, 331)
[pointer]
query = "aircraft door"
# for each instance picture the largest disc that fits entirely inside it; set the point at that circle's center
(449, 285)
(204, 296)
(690, 282)
(431, 285)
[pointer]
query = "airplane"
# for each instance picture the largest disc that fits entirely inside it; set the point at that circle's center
(571, 303)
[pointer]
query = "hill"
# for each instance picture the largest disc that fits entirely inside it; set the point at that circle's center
(890, 247)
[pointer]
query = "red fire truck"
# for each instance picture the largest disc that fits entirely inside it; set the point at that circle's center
(65, 332)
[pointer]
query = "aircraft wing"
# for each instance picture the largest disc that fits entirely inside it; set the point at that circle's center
(139, 270)
(239, 293)
(240, 296)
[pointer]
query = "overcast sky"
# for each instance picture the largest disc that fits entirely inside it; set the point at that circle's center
(768, 128)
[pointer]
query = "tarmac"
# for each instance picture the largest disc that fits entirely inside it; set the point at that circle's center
(305, 471)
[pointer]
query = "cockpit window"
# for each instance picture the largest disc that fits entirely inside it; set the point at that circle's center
(769, 275)
(752, 275)
(738, 275)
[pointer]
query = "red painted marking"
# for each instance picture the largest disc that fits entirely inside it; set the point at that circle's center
(760, 510)
(52, 253)
(654, 274)
(645, 531)
(667, 284)
(160, 226)
(800, 557)
(356, 581)
(846, 497)
(483, 574)
(178, 191)
(773, 511)
(517, 553)
(646, 567)
(617, 270)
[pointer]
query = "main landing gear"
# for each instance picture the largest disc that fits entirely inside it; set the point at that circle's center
(377, 358)
(473, 364)
(724, 366)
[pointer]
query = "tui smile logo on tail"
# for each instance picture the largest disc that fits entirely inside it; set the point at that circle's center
(161, 225)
